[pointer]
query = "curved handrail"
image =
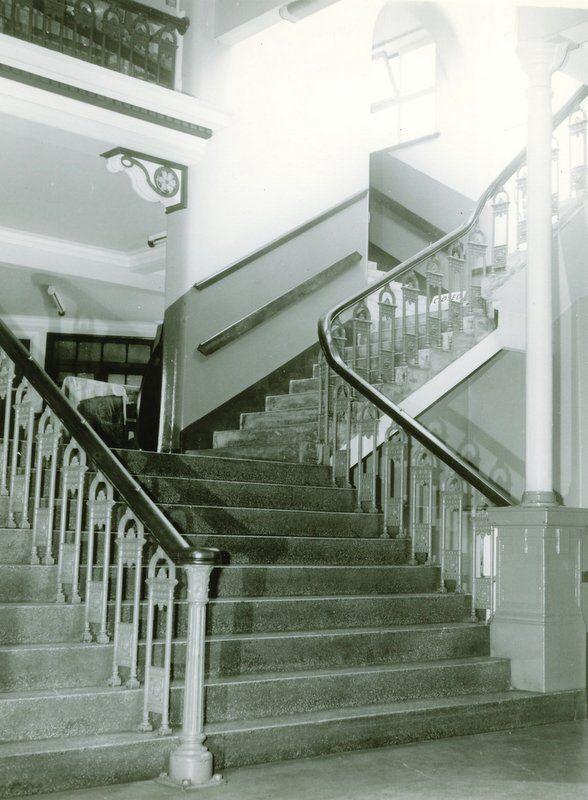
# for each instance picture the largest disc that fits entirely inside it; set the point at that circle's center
(447, 455)
(166, 535)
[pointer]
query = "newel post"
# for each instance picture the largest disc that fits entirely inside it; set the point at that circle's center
(190, 764)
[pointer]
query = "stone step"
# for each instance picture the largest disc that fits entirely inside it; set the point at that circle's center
(92, 711)
(71, 763)
(45, 623)
(35, 667)
(298, 614)
(267, 521)
(22, 582)
(304, 385)
(317, 733)
(209, 465)
(283, 402)
(306, 431)
(247, 495)
(264, 420)
(15, 545)
(288, 452)
(271, 550)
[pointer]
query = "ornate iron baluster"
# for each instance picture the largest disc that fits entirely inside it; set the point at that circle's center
(386, 335)
(395, 457)
(129, 542)
(342, 408)
(113, 30)
(165, 58)
(410, 333)
(452, 493)
(500, 206)
(422, 502)
(554, 180)
(483, 576)
(100, 504)
(434, 324)
(6, 388)
(456, 268)
(161, 582)
(521, 184)
(367, 427)
(26, 406)
(361, 341)
(73, 473)
(140, 38)
(84, 28)
(48, 438)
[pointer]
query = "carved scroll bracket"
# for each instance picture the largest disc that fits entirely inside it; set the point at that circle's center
(153, 179)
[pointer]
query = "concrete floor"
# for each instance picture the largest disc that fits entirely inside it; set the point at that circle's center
(544, 762)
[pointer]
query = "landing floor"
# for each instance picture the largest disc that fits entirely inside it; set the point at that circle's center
(548, 762)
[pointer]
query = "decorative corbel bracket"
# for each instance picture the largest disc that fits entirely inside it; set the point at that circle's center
(153, 179)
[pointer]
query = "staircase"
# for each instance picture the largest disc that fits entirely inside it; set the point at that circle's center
(321, 638)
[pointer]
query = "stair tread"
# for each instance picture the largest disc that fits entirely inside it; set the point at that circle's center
(247, 509)
(260, 677)
(65, 743)
(398, 707)
(346, 597)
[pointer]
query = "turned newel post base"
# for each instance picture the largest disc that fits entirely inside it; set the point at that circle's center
(538, 622)
(191, 764)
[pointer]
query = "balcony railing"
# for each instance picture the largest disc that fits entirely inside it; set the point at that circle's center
(121, 35)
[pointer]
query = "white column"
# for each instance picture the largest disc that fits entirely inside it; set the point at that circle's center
(539, 58)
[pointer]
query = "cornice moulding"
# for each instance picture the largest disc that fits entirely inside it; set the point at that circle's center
(166, 111)
(105, 264)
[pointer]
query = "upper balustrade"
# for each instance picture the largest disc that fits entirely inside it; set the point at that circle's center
(121, 35)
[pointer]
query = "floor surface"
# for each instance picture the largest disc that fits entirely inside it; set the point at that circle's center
(547, 761)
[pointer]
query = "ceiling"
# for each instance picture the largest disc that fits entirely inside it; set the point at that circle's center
(65, 220)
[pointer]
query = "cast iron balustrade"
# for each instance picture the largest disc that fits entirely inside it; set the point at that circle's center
(114, 550)
(122, 35)
(389, 338)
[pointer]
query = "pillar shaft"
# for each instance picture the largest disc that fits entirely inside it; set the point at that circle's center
(539, 59)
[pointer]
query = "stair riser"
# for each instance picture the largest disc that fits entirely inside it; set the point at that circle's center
(221, 469)
(91, 665)
(295, 452)
(15, 546)
(285, 402)
(262, 420)
(98, 712)
(324, 692)
(304, 385)
(62, 622)
(264, 522)
(287, 434)
(249, 549)
(252, 495)
(22, 583)
(298, 741)
(89, 766)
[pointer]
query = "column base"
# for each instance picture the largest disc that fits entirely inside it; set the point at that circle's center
(538, 623)
(547, 499)
(190, 765)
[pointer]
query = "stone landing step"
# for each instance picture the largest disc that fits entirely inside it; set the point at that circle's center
(26, 716)
(299, 550)
(76, 762)
(267, 521)
(211, 465)
(165, 489)
(49, 666)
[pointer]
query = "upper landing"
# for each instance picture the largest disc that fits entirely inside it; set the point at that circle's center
(111, 71)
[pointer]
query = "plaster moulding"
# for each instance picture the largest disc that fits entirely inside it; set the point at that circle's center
(63, 257)
(153, 179)
(69, 94)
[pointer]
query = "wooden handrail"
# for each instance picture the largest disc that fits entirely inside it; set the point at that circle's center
(166, 535)
(281, 240)
(447, 455)
(267, 311)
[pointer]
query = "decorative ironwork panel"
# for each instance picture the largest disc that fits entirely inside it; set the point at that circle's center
(157, 687)
(162, 588)
(42, 518)
(451, 564)
(95, 600)
(68, 554)
(483, 592)
(421, 537)
(124, 644)
(18, 488)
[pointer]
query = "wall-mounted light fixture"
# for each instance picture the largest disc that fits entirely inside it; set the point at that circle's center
(52, 292)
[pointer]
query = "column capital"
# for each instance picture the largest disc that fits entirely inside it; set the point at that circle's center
(540, 58)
